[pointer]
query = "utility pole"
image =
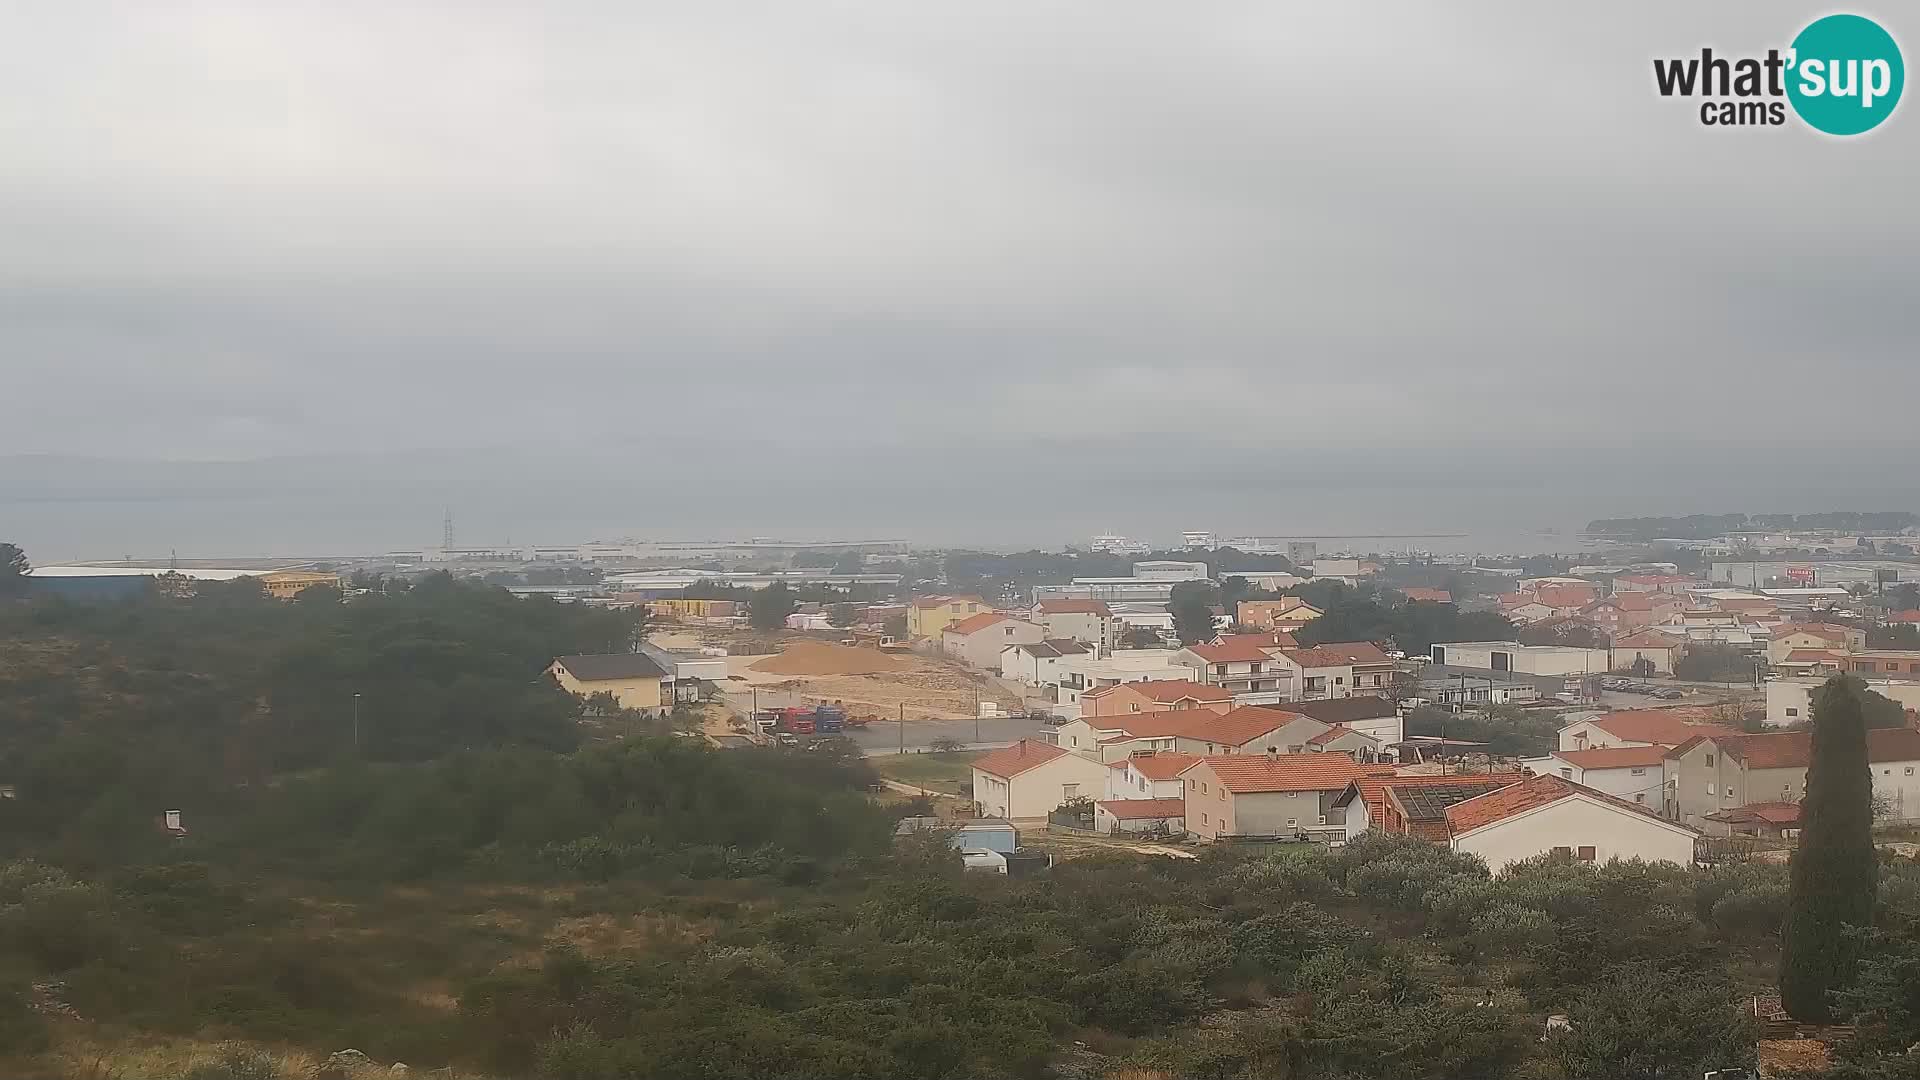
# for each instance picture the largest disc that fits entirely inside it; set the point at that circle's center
(356, 723)
(976, 714)
(903, 727)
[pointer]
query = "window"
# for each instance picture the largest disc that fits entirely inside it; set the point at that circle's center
(1293, 823)
(1909, 770)
(1640, 797)
(1203, 817)
(1563, 851)
(1339, 680)
(1709, 763)
(1636, 772)
(1568, 773)
(1069, 791)
(1223, 794)
(1710, 790)
(1793, 712)
(1323, 819)
(1191, 784)
(1203, 789)
(1586, 853)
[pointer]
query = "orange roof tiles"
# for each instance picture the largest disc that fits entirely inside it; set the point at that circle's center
(1233, 728)
(1657, 726)
(1138, 809)
(1794, 749)
(974, 623)
(1530, 794)
(1335, 732)
(1010, 761)
(1813, 656)
(1338, 654)
(1245, 774)
(1614, 757)
(1166, 690)
(1074, 607)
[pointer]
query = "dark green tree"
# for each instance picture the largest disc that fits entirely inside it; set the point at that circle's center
(13, 570)
(1835, 871)
(769, 608)
(1192, 607)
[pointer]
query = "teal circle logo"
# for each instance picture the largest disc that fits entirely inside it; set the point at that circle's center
(1846, 74)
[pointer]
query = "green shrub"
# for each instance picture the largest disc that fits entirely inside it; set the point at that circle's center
(236, 1062)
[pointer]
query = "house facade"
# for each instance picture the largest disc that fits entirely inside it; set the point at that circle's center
(1029, 779)
(1546, 814)
(1260, 795)
(1637, 774)
(1713, 775)
(633, 679)
(1199, 731)
(978, 640)
(1089, 622)
(927, 616)
(1038, 663)
(1153, 695)
(1651, 646)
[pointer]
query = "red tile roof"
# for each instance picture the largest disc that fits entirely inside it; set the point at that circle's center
(1794, 749)
(1165, 691)
(974, 623)
(1783, 814)
(1434, 596)
(1827, 631)
(1531, 794)
(1564, 596)
(1074, 607)
(1813, 656)
(1657, 726)
(1163, 765)
(1338, 654)
(1138, 809)
(1245, 774)
(1234, 728)
(1614, 757)
(1010, 761)
(1329, 735)
(1646, 639)
(1909, 616)
(1236, 649)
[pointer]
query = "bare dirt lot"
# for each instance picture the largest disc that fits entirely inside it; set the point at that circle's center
(866, 681)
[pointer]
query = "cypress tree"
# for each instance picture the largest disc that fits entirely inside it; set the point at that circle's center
(1835, 870)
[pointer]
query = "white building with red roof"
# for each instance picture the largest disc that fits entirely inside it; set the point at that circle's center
(1245, 730)
(1634, 773)
(979, 639)
(1271, 794)
(1636, 727)
(1546, 814)
(1090, 622)
(1029, 779)
(1148, 774)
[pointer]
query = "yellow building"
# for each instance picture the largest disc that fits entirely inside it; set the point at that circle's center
(287, 584)
(632, 678)
(929, 616)
(682, 608)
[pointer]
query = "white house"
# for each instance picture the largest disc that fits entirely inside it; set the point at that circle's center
(1790, 701)
(1634, 773)
(1080, 674)
(1090, 622)
(1552, 814)
(1148, 775)
(1660, 650)
(1369, 714)
(979, 639)
(1029, 779)
(1038, 663)
(1526, 659)
(1635, 727)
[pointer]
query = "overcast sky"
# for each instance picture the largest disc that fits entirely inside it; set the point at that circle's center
(818, 265)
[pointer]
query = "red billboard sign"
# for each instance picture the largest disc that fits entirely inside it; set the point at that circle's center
(1801, 574)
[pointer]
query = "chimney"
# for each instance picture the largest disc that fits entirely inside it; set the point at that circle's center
(1273, 753)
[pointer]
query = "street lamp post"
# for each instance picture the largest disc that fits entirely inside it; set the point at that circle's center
(356, 722)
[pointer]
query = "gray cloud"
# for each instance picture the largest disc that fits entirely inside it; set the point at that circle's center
(983, 249)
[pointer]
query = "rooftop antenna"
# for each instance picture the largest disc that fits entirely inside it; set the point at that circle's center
(446, 530)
